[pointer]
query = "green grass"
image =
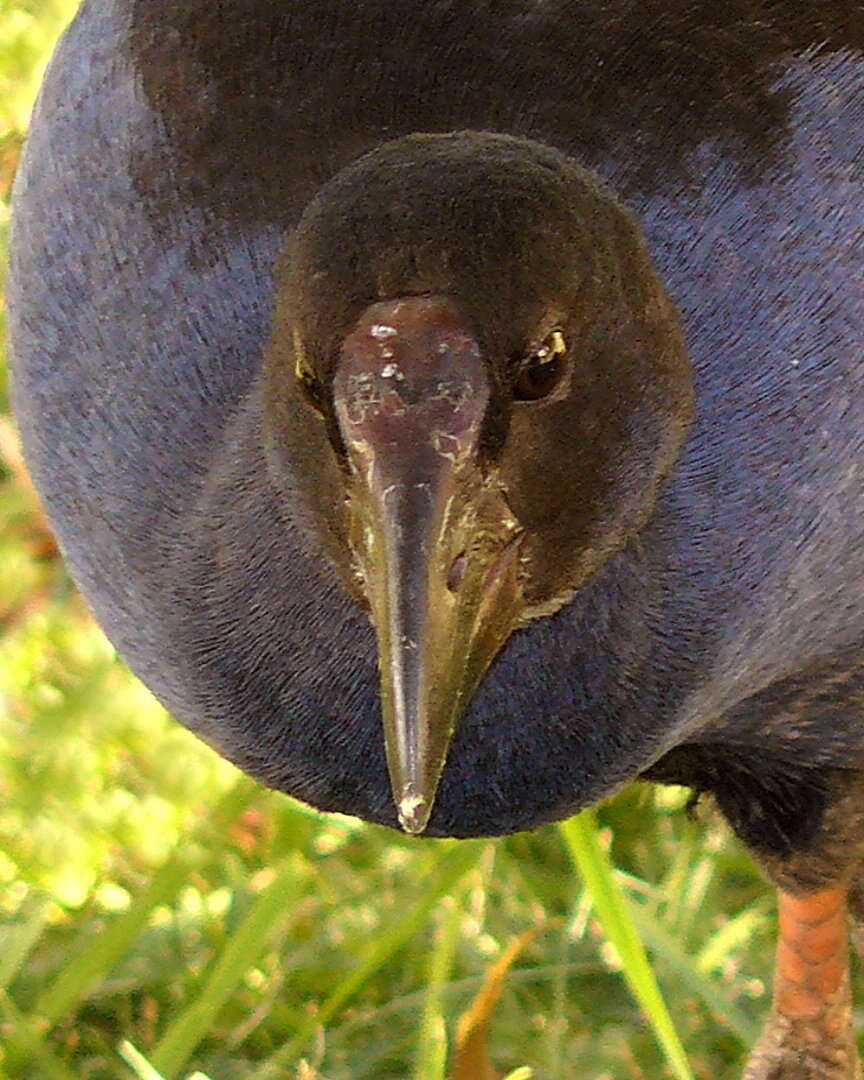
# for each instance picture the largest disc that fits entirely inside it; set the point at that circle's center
(161, 916)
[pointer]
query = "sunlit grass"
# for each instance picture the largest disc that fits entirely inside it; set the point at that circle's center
(161, 917)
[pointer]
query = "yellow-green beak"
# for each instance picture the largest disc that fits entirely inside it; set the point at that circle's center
(434, 540)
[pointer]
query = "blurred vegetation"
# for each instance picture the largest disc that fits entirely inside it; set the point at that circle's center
(160, 914)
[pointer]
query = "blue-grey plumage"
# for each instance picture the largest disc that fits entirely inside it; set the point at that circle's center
(142, 297)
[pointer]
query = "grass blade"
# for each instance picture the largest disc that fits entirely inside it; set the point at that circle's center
(472, 1061)
(456, 861)
(137, 1062)
(666, 945)
(95, 957)
(272, 906)
(735, 933)
(25, 1042)
(612, 909)
(17, 940)
(141, 1066)
(432, 1041)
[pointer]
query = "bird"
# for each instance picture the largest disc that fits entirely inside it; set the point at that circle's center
(452, 411)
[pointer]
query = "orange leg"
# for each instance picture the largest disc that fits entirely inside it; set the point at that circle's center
(809, 1035)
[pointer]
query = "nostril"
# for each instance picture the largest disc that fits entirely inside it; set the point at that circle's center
(457, 572)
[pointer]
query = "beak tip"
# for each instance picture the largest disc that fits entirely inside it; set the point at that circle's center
(414, 811)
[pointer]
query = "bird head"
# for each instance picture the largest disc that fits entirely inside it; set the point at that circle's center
(470, 334)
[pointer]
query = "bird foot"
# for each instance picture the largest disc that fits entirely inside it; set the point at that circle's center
(810, 1034)
(793, 1051)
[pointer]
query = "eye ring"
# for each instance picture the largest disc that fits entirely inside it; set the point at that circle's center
(541, 369)
(309, 385)
(312, 391)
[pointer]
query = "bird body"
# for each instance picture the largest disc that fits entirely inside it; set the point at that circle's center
(179, 171)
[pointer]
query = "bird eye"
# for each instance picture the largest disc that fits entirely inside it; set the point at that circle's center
(541, 370)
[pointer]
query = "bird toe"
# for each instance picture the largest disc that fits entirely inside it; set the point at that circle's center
(793, 1051)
